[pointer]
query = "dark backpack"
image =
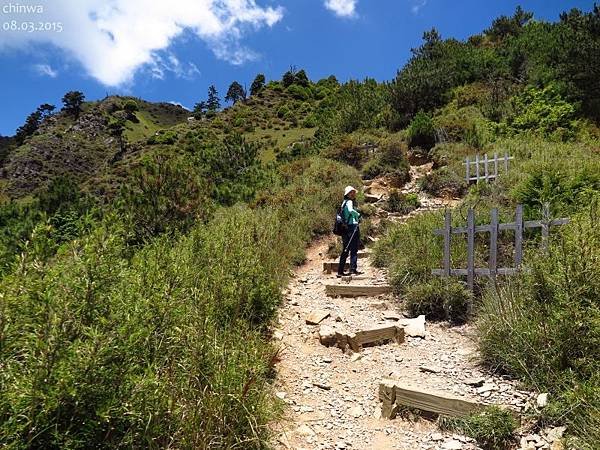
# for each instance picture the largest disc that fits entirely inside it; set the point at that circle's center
(340, 226)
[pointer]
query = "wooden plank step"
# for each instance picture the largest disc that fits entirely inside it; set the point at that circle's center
(332, 266)
(349, 278)
(316, 317)
(356, 290)
(355, 341)
(393, 393)
(382, 333)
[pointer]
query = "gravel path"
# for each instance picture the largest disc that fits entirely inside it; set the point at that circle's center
(332, 395)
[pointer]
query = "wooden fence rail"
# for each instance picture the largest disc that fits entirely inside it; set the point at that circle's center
(489, 173)
(492, 228)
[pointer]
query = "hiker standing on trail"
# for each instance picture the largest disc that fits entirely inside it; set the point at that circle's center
(351, 238)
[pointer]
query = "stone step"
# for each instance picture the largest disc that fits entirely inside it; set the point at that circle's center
(356, 290)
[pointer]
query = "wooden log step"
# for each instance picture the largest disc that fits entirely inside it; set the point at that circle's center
(394, 393)
(316, 317)
(355, 341)
(332, 266)
(383, 333)
(349, 278)
(356, 290)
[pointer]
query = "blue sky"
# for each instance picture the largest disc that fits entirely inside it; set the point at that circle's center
(173, 50)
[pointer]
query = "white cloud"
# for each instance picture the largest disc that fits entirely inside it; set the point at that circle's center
(45, 69)
(161, 64)
(342, 8)
(173, 102)
(112, 39)
(418, 5)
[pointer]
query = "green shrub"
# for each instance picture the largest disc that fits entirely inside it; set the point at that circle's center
(447, 153)
(561, 186)
(463, 124)
(444, 183)
(408, 252)
(106, 347)
(493, 428)
(166, 194)
(402, 203)
(282, 111)
(131, 107)
(310, 121)
(348, 151)
(165, 137)
(544, 326)
(421, 132)
(298, 92)
(439, 299)
(545, 112)
(391, 160)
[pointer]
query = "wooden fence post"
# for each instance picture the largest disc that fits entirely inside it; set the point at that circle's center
(519, 236)
(494, 228)
(477, 167)
(447, 237)
(493, 242)
(470, 248)
(468, 162)
(495, 165)
(545, 226)
(485, 158)
(506, 161)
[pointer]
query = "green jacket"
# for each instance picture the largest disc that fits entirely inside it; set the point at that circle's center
(349, 214)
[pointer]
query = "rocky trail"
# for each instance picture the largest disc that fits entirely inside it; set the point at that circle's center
(332, 391)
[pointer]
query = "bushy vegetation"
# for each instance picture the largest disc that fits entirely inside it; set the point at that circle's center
(421, 132)
(444, 183)
(165, 346)
(440, 299)
(493, 428)
(391, 160)
(544, 326)
(408, 251)
(402, 203)
(143, 251)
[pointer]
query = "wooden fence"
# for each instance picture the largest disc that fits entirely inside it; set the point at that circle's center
(489, 171)
(492, 228)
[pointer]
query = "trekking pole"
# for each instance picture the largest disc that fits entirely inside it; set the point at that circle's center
(350, 241)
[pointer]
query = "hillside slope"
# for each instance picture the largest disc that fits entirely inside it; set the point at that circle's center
(81, 147)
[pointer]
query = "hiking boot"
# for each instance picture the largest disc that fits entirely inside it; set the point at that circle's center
(356, 272)
(340, 275)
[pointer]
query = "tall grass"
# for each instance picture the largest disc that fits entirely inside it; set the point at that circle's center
(544, 327)
(167, 348)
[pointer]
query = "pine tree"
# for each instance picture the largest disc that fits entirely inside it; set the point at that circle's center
(289, 77)
(213, 104)
(258, 84)
(33, 122)
(301, 79)
(72, 102)
(199, 109)
(235, 93)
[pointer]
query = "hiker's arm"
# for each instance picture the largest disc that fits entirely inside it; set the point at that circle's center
(354, 214)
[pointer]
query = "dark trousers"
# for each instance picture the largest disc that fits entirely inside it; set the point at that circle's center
(350, 242)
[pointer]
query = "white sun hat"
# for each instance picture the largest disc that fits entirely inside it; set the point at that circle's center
(348, 190)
